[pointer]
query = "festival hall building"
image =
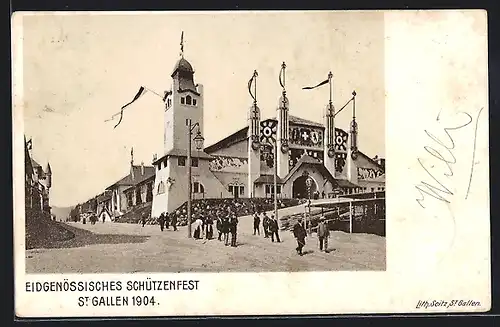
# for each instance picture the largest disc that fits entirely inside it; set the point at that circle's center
(237, 166)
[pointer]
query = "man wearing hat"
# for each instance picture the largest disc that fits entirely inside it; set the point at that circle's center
(300, 234)
(323, 234)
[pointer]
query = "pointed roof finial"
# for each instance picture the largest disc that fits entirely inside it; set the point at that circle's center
(182, 44)
(132, 156)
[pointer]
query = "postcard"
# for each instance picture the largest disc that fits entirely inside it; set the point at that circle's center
(234, 163)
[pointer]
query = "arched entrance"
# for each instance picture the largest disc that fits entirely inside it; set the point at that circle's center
(300, 189)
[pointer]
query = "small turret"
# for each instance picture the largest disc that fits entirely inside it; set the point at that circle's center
(48, 174)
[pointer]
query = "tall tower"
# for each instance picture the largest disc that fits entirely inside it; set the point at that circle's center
(329, 143)
(48, 172)
(253, 136)
(282, 137)
(352, 152)
(184, 101)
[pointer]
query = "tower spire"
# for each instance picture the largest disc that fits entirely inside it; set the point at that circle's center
(132, 156)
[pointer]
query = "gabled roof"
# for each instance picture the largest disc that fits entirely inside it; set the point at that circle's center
(228, 141)
(183, 153)
(138, 176)
(103, 197)
(302, 121)
(268, 179)
(149, 179)
(371, 160)
(308, 160)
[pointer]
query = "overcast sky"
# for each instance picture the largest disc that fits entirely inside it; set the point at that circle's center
(79, 69)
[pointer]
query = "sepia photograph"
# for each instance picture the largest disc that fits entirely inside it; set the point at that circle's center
(149, 149)
(216, 163)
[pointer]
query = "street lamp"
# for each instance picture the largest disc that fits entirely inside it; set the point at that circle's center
(309, 183)
(198, 142)
(266, 152)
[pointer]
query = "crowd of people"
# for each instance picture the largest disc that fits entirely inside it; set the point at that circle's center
(238, 207)
(209, 216)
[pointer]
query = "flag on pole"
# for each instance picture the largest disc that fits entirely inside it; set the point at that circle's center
(182, 43)
(282, 72)
(320, 84)
(141, 92)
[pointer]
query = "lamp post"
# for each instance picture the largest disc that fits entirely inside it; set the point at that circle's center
(266, 151)
(309, 185)
(198, 142)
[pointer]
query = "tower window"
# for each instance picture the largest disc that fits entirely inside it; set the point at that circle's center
(169, 102)
(197, 187)
(194, 102)
(182, 100)
(181, 161)
(161, 188)
(188, 100)
(194, 162)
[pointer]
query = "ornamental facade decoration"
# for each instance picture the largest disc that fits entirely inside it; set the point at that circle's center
(268, 130)
(340, 160)
(369, 173)
(305, 136)
(220, 163)
(294, 155)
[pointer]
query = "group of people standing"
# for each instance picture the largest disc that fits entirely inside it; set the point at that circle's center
(269, 225)
(166, 220)
(203, 227)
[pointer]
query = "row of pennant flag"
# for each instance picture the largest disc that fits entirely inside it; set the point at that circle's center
(143, 90)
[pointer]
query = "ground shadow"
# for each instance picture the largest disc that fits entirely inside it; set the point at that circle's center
(84, 237)
(308, 252)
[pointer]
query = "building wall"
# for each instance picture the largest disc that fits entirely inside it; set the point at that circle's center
(235, 179)
(160, 200)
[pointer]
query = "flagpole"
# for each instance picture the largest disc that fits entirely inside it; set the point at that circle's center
(353, 105)
(255, 86)
(330, 75)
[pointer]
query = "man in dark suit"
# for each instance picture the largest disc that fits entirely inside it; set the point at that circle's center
(256, 223)
(273, 228)
(300, 234)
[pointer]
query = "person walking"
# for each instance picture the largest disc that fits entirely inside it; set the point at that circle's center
(143, 219)
(234, 230)
(225, 229)
(299, 232)
(323, 234)
(197, 228)
(265, 225)
(161, 221)
(273, 228)
(218, 225)
(209, 222)
(173, 221)
(256, 223)
(166, 220)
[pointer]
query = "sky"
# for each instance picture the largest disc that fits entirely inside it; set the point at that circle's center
(79, 69)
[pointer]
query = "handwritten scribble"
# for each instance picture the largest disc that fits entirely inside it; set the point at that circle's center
(432, 190)
(473, 154)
